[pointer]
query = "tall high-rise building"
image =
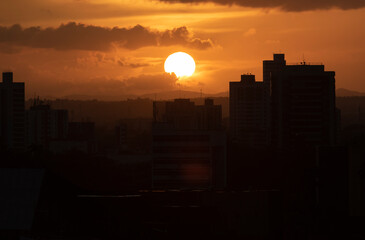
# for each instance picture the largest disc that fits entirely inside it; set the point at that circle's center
(271, 68)
(12, 118)
(294, 106)
(189, 145)
(45, 124)
(248, 112)
(209, 116)
(302, 103)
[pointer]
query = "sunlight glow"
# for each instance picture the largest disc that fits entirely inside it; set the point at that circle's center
(180, 63)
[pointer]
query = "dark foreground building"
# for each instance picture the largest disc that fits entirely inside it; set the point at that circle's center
(12, 118)
(248, 112)
(189, 145)
(294, 106)
(45, 124)
(302, 97)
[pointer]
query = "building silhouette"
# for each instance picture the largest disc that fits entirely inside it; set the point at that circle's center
(81, 130)
(121, 136)
(209, 116)
(80, 138)
(45, 124)
(294, 106)
(133, 136)
(302, 103)
(189, 145)
(184, 114)
(248, 112)
(12, 120)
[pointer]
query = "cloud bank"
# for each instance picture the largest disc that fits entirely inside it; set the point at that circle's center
(286, 5)
(77, 36)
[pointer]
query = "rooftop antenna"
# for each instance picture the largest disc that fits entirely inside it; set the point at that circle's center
(303, 59)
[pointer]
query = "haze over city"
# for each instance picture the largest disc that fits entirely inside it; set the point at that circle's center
(182, 119)
(116, 49)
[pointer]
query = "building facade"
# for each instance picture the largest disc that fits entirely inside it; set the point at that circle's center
(12, 115)
(248, 112)
(302, 103)
(45, 124)
(294, 106)
(188, 146)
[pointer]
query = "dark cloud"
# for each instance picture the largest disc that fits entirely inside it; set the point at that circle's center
(73, 36)
(183, 37)
(286, 5)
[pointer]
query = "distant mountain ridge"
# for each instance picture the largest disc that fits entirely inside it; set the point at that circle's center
(169, 95)
(343, 92)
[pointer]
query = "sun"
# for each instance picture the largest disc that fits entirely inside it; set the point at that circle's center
(180, 63)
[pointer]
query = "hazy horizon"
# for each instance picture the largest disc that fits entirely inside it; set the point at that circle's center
(110, 48)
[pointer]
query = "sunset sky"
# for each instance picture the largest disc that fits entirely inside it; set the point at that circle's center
(111, 49)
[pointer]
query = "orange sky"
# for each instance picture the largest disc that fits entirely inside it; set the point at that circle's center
(111, 49)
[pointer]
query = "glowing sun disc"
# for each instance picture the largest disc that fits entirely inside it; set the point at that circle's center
(180, 63)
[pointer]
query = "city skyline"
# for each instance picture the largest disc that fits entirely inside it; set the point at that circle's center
(280, 159)
(182, 119)
(112, 49)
